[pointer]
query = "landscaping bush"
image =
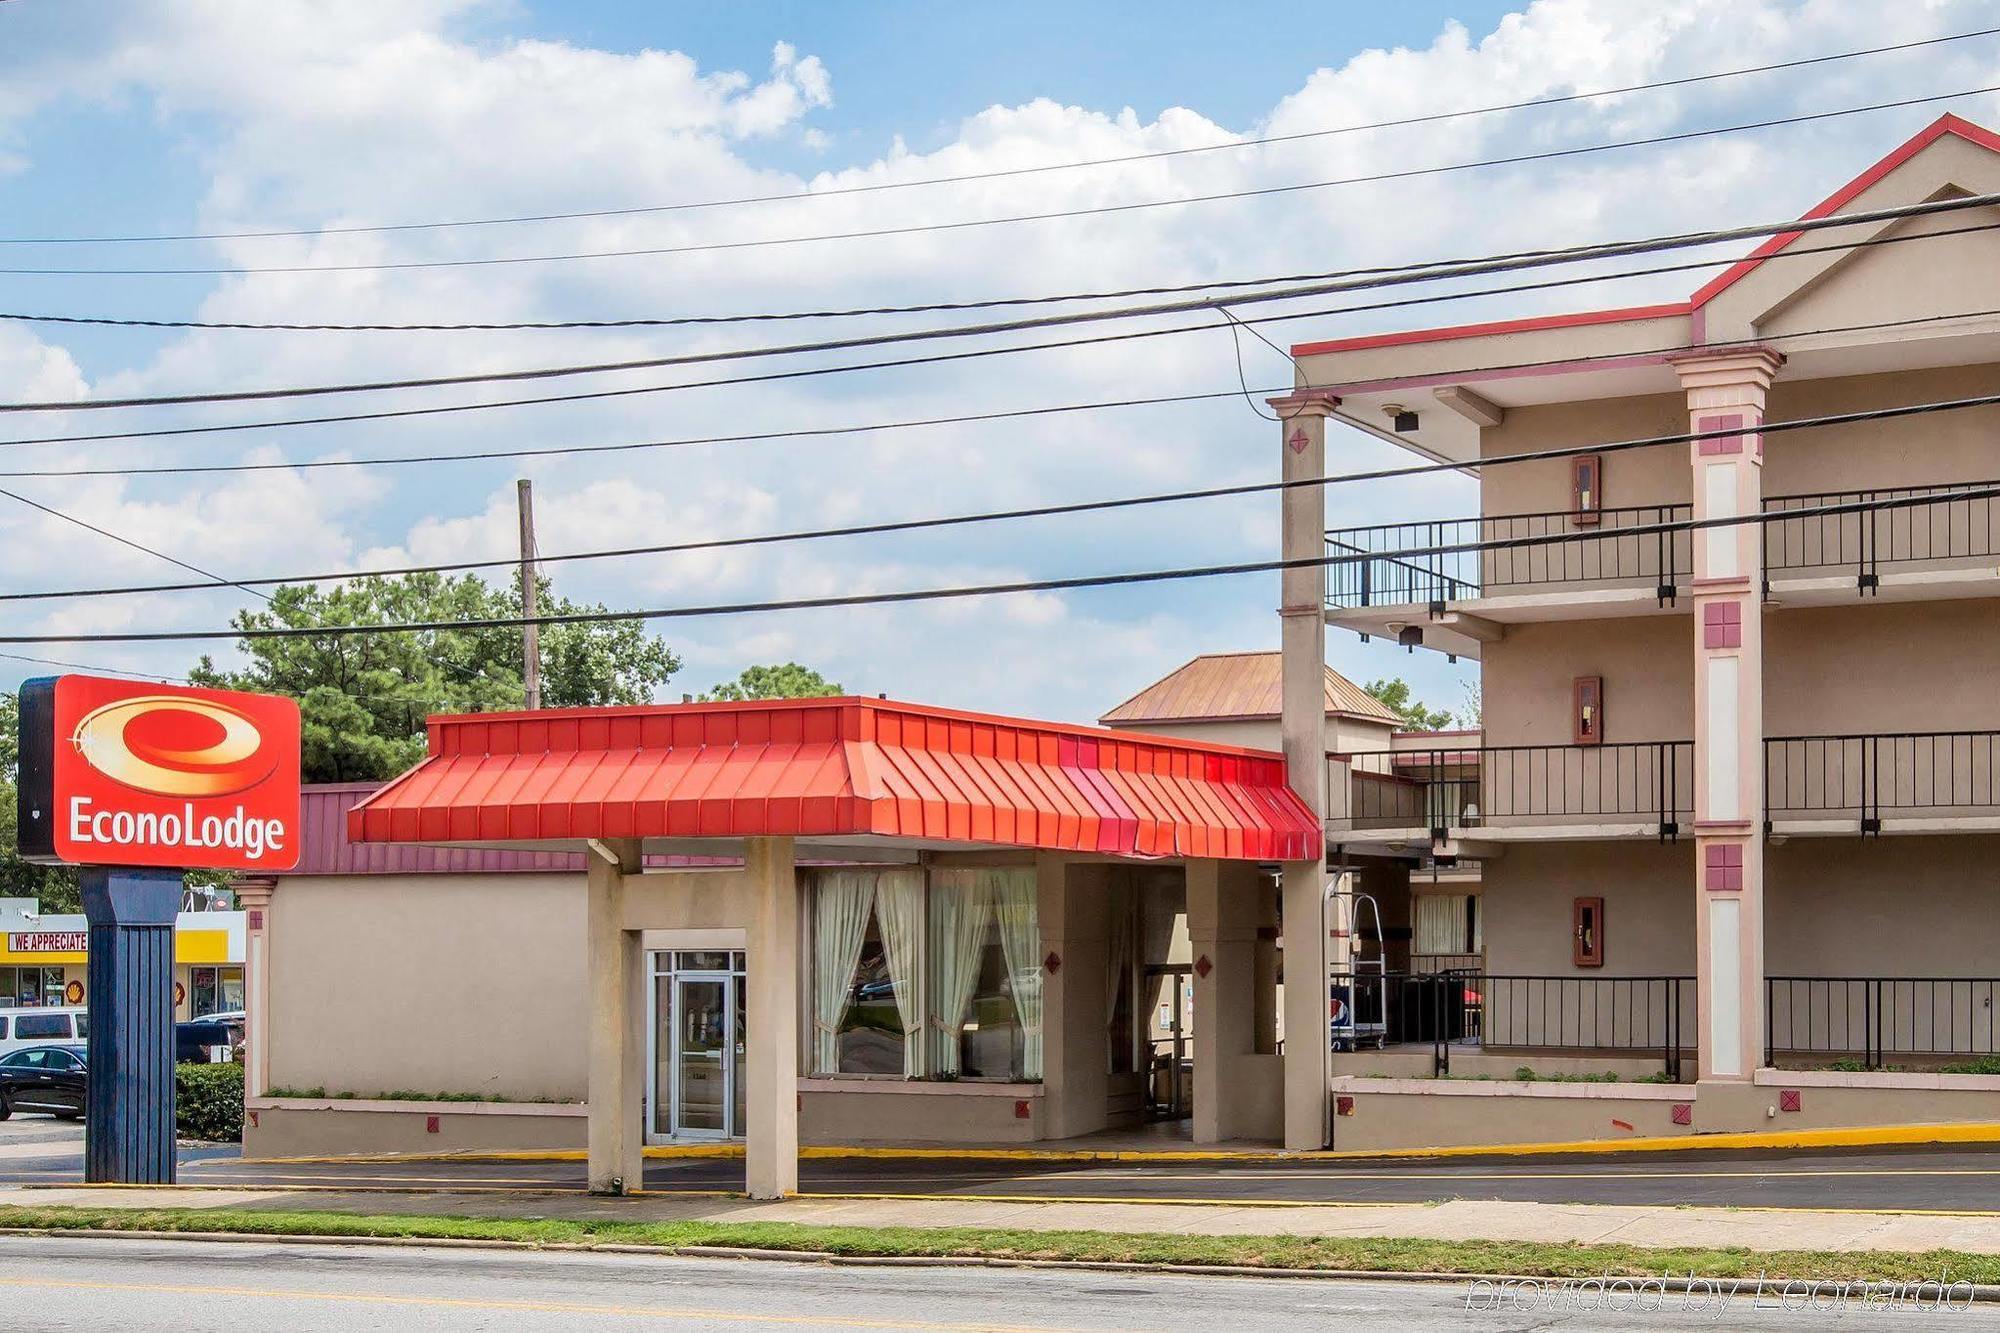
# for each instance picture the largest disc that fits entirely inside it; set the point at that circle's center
(208, 1102)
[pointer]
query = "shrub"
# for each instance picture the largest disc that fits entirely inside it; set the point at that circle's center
(208, 1102)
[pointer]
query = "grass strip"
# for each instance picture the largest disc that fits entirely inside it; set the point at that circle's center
(1369, 1254)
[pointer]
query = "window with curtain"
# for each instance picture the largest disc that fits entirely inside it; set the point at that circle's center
(926, 975)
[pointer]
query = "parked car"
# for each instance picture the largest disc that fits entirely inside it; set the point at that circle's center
(207, 1041)
(49, 1079)
(38, 1027)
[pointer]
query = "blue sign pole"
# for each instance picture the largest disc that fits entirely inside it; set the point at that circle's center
(128, 1133)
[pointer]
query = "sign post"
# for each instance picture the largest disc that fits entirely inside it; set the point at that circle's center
(137, 783)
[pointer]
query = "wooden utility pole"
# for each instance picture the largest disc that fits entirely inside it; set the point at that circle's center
(531, 649)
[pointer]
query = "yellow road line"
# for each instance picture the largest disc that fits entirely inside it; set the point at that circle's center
(466, 1303)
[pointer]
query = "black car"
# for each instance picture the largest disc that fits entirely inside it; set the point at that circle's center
(50, 1079)
(203, 1041)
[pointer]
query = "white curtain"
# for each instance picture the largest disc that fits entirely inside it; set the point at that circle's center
(1478, 925)
(1440, 922)
(841, 899)
(1021, 940)
(961, 904)
(899, 907)
(1118, 965)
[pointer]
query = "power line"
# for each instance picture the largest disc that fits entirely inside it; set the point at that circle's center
(878, 187)
(100, 670)
(878, 233)
(385, 414)
(1003, 589)
(1044, 511)
(1008, 414)
(1369, 281)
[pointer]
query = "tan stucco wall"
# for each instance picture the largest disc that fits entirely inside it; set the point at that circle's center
(1647, 664)
(444, 983)
(1882, 667)
(1883, 907)
(1648, 892)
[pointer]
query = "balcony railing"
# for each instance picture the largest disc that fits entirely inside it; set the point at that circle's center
(1875, 1020)
(1649, 782)
(1598, 553)
(1517, 1012)
(1865, 778)
(1943, 526)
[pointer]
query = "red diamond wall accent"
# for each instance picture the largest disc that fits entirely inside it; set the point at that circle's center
(1053, 962)
(1788, 1099)
(1202, 967)
(1683, 1113)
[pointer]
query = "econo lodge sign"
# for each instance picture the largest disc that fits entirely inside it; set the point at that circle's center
(117, 772)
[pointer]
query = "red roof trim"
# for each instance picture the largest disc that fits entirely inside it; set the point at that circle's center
(1628, 314)
(838, 767)
(1924, 138)
(1846, 194)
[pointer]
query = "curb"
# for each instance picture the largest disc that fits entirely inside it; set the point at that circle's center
(1985, 1293)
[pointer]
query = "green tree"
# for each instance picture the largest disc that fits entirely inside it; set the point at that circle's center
(364, 697)
(1396, 693)
(786, 681)
(55, 886)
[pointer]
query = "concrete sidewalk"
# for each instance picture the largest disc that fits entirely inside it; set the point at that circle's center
(1752, 1229)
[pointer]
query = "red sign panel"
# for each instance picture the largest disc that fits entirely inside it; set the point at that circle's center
(162, 775)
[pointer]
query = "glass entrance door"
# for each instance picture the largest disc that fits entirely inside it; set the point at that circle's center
(704, 1037)
(694, 1085)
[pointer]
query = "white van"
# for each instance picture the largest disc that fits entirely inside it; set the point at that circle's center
(40, 1027)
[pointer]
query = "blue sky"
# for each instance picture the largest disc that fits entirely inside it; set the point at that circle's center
(118, 116)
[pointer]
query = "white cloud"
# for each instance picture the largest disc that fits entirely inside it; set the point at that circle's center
(370, 112)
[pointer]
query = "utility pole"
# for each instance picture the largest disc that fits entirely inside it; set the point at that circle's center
(531, 649)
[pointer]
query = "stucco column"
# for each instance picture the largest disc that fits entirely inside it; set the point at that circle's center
(771, 1101)
(615, 1130)
(1222, 933)
(254, 897)
(1302, 613)
(1725, 392)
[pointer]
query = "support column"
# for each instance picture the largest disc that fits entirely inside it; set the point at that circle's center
(129, 1108)
(771, 1055)
(1302, 612)
(615, 1125)
(254, 897)
(1222, 933)
(1725, 392)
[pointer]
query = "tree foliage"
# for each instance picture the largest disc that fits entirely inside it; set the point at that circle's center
(55, 886)
(787, 680)
(364, 697)
(1396, 693)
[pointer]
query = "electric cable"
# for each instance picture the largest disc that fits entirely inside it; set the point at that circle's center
(1006, 173)
(1043, 511)
(997, 589)
(1376, 280)
(1099, 210)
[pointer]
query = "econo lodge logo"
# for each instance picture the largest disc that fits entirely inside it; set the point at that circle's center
(159, 775)
(175, 747)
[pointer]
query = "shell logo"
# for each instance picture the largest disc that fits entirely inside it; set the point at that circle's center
(173, 745)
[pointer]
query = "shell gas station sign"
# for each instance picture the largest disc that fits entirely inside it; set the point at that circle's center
(129, 773)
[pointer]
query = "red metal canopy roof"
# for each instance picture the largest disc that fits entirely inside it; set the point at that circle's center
(837, 768)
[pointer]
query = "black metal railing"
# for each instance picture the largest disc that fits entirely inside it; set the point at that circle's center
(1467, 787)
(1600, 552)
(1652, 1015)
(1865, 777)
(1874, 1020)
(1947, 525)
(1938, 524)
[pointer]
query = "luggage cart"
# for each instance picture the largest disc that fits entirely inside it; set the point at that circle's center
(1359, 1010)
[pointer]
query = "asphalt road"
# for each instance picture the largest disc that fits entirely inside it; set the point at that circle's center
(71, 1283)
(1957, 1180)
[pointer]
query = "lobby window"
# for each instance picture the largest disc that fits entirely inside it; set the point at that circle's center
(926, 975)
(30, 987)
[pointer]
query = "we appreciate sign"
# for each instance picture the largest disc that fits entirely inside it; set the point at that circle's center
(48, 941)
(119, 772)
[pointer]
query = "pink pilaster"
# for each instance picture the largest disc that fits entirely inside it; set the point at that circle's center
(1725, 394)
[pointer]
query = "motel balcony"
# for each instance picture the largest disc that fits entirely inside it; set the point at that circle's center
(1466, 799)
(1938, 543)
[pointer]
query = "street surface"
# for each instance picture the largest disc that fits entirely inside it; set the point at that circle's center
(57, 1283)
(1955, 1179)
